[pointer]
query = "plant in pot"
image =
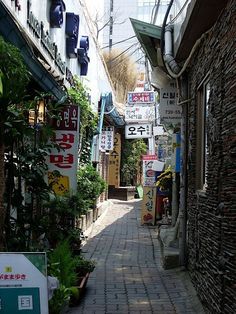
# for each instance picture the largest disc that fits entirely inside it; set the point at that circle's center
(83, 268)
(61, 265)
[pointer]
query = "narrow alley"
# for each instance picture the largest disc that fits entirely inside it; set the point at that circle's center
(128, 277)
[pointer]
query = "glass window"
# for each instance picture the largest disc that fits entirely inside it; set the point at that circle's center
(202, 141)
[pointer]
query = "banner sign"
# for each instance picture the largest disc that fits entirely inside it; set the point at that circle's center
(23, 283)
(139, 113)
(170, 112)
(66, 159)
(106, 139)
(141, 97)
(149, 177)
(148, 215)
(142, 130)
(114, 162)
(175, 160)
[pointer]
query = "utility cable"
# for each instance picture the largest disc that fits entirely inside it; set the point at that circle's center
(119, 42)
(124, 51)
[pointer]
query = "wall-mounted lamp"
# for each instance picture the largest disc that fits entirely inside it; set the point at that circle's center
(37, 115)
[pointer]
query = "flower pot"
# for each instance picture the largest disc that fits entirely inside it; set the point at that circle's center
(78, 291)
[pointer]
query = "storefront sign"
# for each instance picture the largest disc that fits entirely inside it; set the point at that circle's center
(148, 172)
(141, 97)
(148, 206)
(43, 35)
(114, 162)
(65, 161)
(23, 283)
(170, 112)
(106, 139)
(139, 113)
(142, 130)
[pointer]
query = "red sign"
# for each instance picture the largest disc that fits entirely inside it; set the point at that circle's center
(141, 97)
(68, 119)
(149, 157)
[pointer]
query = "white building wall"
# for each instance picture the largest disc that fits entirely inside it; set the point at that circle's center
(96, 79)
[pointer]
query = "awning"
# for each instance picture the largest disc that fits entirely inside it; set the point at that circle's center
(149, 36)
(112, 112)
(12, 33)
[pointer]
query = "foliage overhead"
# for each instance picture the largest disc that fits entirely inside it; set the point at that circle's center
(13, 74)
(122, 71)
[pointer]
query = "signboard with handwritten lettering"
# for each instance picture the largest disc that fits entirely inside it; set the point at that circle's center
(106, 139)
(139, 113)
(23, 283)
(64, 158)
(114, 162)
(149, 177)
(148, 215)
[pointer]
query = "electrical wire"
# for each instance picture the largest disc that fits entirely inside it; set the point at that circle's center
(122, 60)
(124, 51)
(119, 42)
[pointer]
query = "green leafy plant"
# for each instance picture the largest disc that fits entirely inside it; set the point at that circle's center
(84, 265)
(79, 94)
(90, 186)
(164, 180)
(131, 161)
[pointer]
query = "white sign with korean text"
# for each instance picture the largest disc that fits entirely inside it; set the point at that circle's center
(148, 172)
(106, 139)
(139, 113)
(65, 158)
(170, 112)
(142, 130)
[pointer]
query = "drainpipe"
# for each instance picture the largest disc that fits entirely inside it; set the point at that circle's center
(168, 53)
(95, 141)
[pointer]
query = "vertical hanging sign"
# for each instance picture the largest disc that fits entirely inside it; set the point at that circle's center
(106, 140)
(65, 158)
(114, 162)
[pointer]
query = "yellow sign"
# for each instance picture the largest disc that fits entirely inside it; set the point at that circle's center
(8, 269)
(114, 162)
(148, 215)
(60, 184)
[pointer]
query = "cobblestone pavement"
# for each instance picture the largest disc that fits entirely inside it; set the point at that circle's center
(128, 277)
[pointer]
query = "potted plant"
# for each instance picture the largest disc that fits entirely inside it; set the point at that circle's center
(83, 268)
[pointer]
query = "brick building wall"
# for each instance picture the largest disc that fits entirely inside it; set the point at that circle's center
(212, 213)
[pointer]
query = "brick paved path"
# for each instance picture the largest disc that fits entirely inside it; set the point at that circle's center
(128, 277)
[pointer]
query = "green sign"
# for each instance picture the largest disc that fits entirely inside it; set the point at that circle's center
(19, 300)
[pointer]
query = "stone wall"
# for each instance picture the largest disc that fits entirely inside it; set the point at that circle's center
(212, 214)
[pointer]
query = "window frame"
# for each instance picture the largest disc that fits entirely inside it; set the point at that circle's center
(203, 93)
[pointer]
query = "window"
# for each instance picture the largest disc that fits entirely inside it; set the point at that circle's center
(202, 144)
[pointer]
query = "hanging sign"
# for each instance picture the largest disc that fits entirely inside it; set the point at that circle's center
(66, 159)
(106, 139)
(142, 130)
(170, 112)
(149, 178)
(114, 162)
(148, 206)
(175, 160)
(141, 97)
(23, 283)
(139, 113)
